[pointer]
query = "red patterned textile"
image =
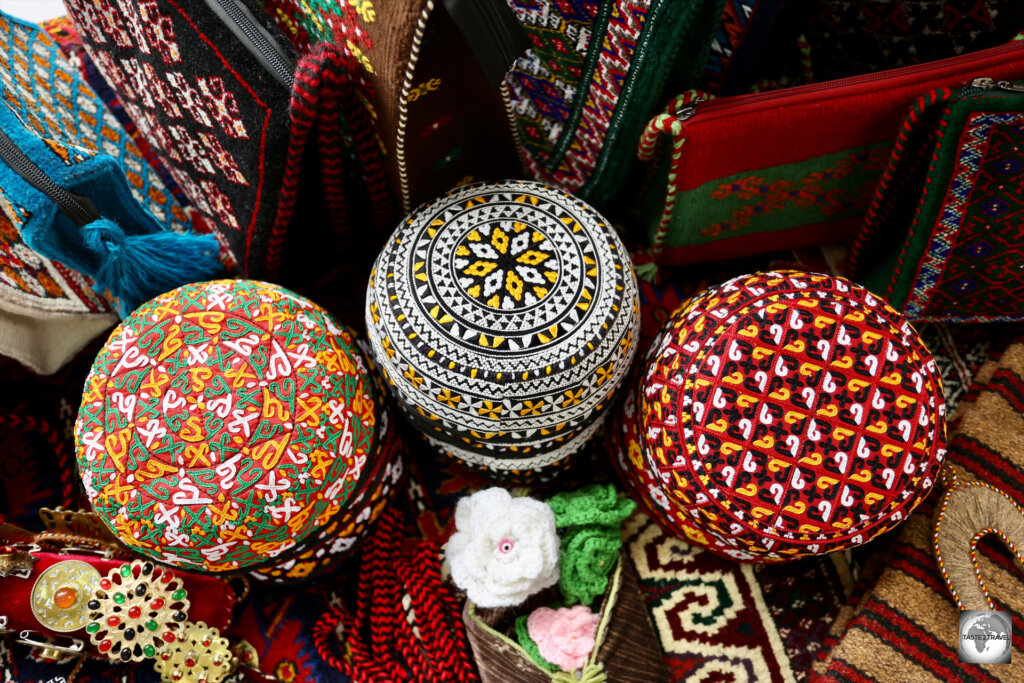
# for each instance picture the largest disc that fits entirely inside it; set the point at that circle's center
(790, 414)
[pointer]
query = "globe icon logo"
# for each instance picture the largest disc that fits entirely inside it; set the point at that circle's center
(985, 637)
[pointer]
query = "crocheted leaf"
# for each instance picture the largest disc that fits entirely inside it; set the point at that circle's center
(594, 504)
(587, 557)
(528, 644)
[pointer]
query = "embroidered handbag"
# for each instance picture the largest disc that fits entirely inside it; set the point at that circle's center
(439, 121)
(64, 33)
(77, 196)
(944, 235)
(596, 73)
(261, 139)
(778, 170)
(48, 311)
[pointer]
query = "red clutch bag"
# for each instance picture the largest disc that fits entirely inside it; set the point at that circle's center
(789, 168)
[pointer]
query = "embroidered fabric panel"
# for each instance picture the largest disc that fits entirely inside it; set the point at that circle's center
(547, 79)
(63, 31)
(971, 269)
(34, 281)
(617, 49)
(50, 96)
(826, 188)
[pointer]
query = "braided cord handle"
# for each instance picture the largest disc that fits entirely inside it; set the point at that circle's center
(892, 184)
(670, 122)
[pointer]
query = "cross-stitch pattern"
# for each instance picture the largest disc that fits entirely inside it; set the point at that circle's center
(33, 281)
(52, 98)
(593, 99)
(223, 423)
(548, 78)
(970, 270)
(791, 414)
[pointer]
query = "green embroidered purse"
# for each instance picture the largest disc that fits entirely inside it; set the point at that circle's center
(944, 237)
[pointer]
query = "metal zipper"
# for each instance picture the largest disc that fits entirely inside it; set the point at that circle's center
(986, 83)
(740, 100)
(79, 209)
(237, 17)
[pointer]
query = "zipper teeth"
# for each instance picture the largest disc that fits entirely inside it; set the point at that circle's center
(269, 51)
(21, 164)
(739, 100)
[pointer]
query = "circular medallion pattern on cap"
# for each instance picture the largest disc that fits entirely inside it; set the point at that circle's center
(506, 264)
(223, 423)
(794, 413)
(505, 315)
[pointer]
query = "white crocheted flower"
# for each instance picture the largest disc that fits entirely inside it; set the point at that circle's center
(504, 549)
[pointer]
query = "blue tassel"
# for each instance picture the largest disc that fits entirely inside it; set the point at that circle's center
(137, 268)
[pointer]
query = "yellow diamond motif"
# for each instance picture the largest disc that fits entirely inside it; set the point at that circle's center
(480, 268)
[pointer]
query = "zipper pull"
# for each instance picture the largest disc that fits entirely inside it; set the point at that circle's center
(986, 83)
(686, 112)
(684, 107)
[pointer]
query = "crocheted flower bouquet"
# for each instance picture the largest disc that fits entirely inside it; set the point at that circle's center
(509, 553)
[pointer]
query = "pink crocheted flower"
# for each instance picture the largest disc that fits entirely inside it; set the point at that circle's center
(566, 636)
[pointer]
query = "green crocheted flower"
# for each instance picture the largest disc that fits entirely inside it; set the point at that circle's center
(594, 504)
(588, 555)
